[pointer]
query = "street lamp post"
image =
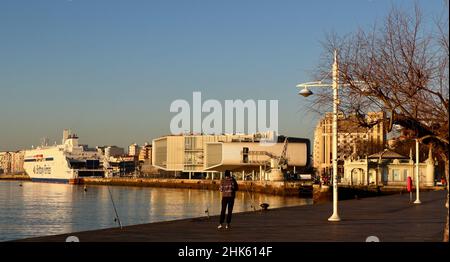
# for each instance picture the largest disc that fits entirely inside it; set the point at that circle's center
(335, 85)
(335, 215)
(417, 174)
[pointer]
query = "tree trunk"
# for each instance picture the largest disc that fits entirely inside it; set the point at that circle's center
(446, 204)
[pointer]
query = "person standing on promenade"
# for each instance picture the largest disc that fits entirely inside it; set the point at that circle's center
(228, 187)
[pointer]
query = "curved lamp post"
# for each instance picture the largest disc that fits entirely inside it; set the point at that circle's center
(306, 92)
(420, 140)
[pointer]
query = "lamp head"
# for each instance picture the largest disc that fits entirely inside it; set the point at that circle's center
(305, 92)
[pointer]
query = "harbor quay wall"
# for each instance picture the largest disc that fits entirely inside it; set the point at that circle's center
(20, 176)
(264, 187)
(318, 193)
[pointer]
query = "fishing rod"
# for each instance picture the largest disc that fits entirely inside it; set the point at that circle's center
(115, 210)
(207, 211)
(252, 205)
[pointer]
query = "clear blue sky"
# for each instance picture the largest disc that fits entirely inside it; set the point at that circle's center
(110, 69)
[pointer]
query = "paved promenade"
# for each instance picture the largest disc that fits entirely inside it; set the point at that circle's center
(390, 218)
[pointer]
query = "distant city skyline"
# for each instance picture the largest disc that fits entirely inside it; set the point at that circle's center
(109, 70)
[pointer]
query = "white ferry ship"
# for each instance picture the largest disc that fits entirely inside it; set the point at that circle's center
(65, 163)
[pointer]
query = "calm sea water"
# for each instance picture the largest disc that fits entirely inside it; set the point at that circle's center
(39, 209)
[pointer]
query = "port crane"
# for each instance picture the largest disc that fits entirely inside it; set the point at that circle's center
(279, 164)
(272, 164)
(282, 160)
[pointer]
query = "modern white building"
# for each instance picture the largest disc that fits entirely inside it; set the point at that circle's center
(246, 154)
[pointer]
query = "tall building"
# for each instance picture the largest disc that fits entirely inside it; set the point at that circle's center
(145, 153)
(133, 150)
(17, 162)
(11, 162)
(5, 162)
(352, 138)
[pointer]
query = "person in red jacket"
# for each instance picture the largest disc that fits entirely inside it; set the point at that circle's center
(228, 187)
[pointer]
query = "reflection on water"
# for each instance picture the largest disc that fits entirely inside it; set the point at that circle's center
(38, 209)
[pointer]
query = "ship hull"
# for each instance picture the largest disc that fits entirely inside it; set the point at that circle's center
(73, 181)
(47, 165)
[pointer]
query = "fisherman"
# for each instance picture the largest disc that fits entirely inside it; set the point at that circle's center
(228, 187)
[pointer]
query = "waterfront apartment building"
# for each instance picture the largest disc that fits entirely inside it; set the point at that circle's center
(216, 153)
(5, 162)
(351, 138)
(11, 162)
(145, 154)
(133, 150)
